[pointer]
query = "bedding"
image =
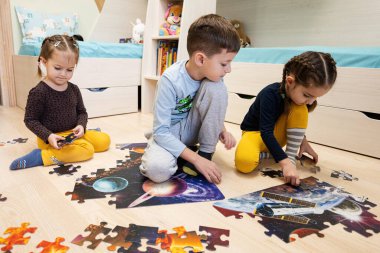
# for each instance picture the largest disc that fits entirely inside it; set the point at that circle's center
(93, 49)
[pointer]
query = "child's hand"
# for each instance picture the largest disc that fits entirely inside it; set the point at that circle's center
(306, 148)
(227, 139)
(53, 140)
(289, 171)
(78, 131)
(208, 169)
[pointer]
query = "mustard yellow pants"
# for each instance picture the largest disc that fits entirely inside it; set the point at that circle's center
(79, 150)
(247, 155)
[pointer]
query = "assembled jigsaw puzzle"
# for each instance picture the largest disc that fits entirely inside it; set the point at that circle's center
(131, 239)
(286, 210)
(131, 189)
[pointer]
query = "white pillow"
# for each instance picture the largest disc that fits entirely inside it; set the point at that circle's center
(35, 26)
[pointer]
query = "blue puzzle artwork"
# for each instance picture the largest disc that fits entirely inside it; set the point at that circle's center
(287, 211)
(131, 189)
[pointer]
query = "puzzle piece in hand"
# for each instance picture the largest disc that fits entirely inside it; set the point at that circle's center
(213, 237)
(68, 139)
(343, 174)
(53, 247)
(94, 230)
(119, 239)
(179, 241)
(16, 236)
(309, 163)
(271, 173)
(62, 169)
(2, 198)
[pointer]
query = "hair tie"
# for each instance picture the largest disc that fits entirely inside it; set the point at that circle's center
(57, 43)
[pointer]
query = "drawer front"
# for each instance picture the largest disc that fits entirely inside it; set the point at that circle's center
(345, 129)
(238, 107)
(107, 72)
(355, 88)
(110, 101)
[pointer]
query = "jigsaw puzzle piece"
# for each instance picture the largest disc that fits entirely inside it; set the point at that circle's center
(214, 237)
(134, 248)
(16, 236)
(18, 140)
(65, 169)
(136, 233)
(2, 198)
(269, 172)
(94, 230)
(181, 240)
(53, 247)
(119, 239)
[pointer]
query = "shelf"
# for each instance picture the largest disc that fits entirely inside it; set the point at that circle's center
(168, 37)
(151, 77)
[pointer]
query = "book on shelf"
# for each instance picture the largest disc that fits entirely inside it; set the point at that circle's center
(166, 55)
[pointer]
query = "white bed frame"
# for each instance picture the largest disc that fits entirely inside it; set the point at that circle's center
(337, 122)
(120, 77)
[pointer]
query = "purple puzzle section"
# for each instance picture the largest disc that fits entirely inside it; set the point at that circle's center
(286, 210)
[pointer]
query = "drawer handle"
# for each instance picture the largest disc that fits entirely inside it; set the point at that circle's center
(97, 89)
(371, 115)
(244, 96)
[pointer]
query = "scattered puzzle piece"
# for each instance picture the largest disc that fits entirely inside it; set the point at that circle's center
(53, 247)
(119, 239)
(62, 169)
(344, 175)
(213, 237)
(181, 240)
(94, 230)
(18, 140)
(268, 172)
(16, 236)
(2, 198)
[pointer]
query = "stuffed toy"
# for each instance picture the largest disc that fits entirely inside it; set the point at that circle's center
(171, 26)
(244, 39)
(138, 32)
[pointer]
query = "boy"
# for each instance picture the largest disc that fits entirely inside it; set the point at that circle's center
(191, 102)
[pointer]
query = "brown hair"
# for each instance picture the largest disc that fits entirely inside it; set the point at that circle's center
(58, 42)
(211, 34)
(309, 68)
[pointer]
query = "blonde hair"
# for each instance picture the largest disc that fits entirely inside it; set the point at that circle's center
(58, 42)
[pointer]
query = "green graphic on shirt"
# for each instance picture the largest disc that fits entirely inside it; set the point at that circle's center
(184, 104)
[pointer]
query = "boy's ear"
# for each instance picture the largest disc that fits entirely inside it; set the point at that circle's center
(199, 58)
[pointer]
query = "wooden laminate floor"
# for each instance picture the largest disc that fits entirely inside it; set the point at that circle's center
(35, 196)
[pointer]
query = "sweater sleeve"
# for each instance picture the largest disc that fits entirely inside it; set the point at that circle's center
(81, 109)
(164, 104)
(33, 113)
(269, 109)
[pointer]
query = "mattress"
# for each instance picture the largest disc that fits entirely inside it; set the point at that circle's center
(359, 57)
(94, 49)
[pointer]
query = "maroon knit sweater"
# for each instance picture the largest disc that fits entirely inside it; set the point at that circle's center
(49, 111)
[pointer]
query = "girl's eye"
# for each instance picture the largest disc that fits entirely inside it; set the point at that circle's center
(70, 70)
(224, 65)
(57, 68)
(307, 96)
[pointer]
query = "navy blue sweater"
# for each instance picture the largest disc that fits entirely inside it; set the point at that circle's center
(263, 115)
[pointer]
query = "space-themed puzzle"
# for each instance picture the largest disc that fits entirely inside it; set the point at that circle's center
(287, 211)
(131, 189)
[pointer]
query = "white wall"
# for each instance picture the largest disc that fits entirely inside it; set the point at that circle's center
(116, 18)
(276, 23)
(86, 9)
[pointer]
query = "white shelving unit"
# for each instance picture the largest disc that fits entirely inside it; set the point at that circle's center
(192, 9)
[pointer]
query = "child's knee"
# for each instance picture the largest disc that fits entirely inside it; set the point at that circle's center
(87, 152)
(157, 164)
(246, 165)
(103, 142)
